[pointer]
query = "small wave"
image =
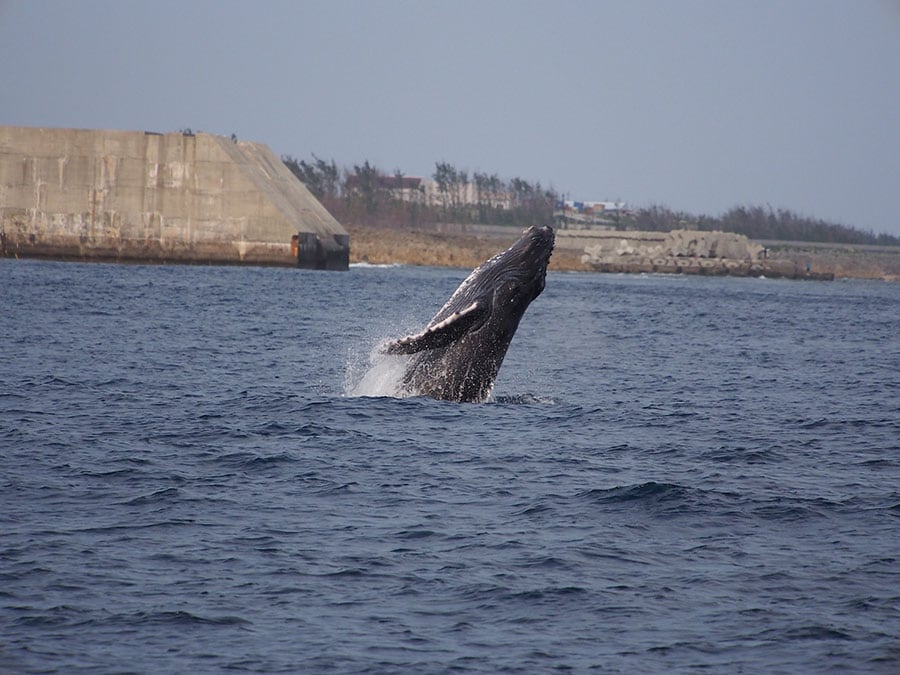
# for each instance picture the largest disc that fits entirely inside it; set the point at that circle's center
(879, 463)
(368, 265)
(62, 615)
(810, 632)
(786, 512)
(347, 572)
(282, 429)
(181, 618)
(163, 524)
(251, 461)
(115, 473)
(338, 488)
(160, 496)
(54, 379)
(743, 455)
(536, 509)
(523, 399)
(11, 394)
(545, 593)
(415, 533)
(798, 508)
(676, 499)
(650, 491)
(667, 498)
(546, 562)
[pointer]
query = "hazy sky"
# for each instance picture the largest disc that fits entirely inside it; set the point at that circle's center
(698, 105)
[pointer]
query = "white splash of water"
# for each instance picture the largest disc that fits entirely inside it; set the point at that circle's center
(375, 265)
(374, 373)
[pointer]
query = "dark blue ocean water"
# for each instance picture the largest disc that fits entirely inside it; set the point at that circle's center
(676, 474)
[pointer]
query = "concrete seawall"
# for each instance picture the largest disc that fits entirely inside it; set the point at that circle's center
(149, 197)
(682, 252)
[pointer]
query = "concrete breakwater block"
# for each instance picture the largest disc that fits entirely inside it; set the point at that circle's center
(150, 197)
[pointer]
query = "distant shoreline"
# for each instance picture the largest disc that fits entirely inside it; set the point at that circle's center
(468, 246)
(434, 247)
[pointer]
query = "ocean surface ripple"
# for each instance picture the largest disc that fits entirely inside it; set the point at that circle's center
(203, 469)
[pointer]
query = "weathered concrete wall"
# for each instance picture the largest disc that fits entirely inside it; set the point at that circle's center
(125, 195)
(680, 251)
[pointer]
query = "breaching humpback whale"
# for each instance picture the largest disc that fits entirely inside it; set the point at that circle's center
(456, 357)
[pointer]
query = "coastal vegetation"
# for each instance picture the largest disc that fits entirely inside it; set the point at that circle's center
(760, 223)
(365, 195)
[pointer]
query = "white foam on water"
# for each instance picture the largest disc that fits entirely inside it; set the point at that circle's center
(364, 265)
(374, 373)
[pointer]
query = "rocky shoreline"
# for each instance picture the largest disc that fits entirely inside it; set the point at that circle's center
(443, 247)
(468, 246)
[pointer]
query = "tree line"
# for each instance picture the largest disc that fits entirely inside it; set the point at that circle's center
(364, 194)
(758, 222)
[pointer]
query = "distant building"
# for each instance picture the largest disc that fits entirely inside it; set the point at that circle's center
(404, 188)
(428, 192)
(466, 194)
(602, 214)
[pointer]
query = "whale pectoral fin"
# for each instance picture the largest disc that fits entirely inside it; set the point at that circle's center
(442, 333)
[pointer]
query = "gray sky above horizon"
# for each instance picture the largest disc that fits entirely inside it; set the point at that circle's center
(698, 105)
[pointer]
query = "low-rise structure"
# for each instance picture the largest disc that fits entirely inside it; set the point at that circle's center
(681, 251)
(582, 214)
